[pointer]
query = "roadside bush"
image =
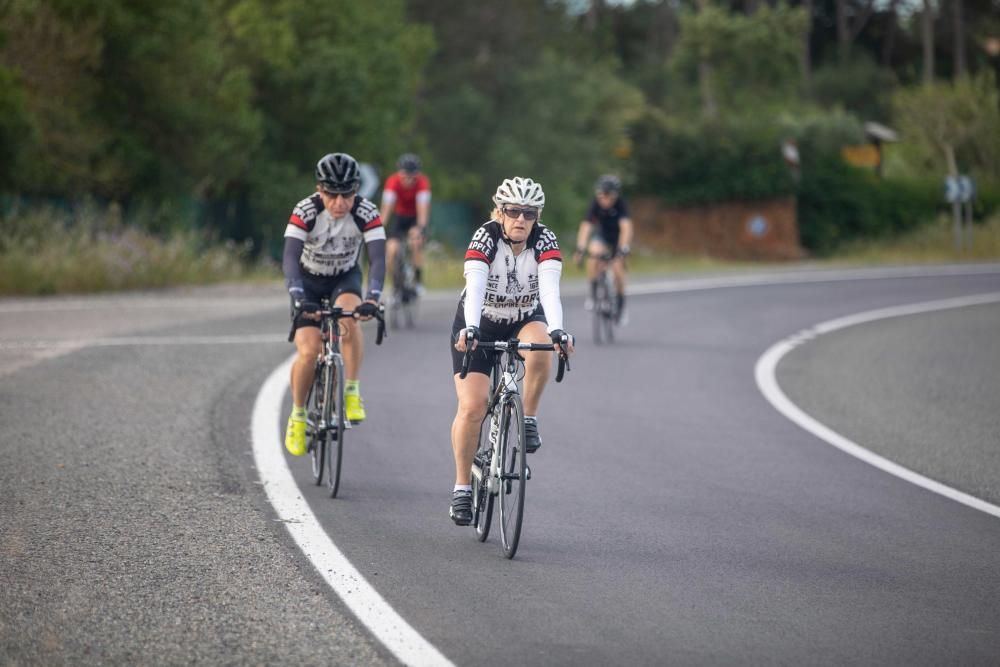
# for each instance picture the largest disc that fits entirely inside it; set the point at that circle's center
(690, 163)
(838, 203)
(55, 251)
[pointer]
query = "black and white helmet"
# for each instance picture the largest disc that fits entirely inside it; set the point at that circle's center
(521, 192)
(409, 163)
(608, 183)
(338, 172)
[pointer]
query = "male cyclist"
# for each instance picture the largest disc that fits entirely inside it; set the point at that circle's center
(512, 270)
(322, 248)
(407, 194)
(606, 232)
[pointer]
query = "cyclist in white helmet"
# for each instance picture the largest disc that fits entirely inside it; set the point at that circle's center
(512, 271)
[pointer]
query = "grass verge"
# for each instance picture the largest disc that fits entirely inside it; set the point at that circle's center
(54, 252)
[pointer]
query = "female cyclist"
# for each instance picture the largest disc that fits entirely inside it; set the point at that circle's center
(512, 271)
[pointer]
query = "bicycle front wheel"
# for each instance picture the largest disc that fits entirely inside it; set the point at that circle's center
(314, 417)
(514, 471)
(335, 455)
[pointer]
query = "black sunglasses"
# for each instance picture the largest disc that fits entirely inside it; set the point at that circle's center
(529, 214)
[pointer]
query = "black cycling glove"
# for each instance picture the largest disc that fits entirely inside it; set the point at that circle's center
(471, 333)
(560, 337)
(298, 296)
(366, 309)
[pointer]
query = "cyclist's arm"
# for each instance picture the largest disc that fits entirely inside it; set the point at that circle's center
(625, 235)
(586, 226)
(476, 273)
(388, 201)
(290, 262)
(376, 267)
(423, 208)
(549, 273)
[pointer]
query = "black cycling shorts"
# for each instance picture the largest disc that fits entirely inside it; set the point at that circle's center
(489, 330)
(317, 287)
(609, 240)
(401, 226)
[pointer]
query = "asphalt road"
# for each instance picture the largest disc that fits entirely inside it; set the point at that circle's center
(673, 516)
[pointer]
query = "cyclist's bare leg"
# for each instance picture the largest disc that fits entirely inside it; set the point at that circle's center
(618, 269)
(391, 248)
(537, 365)
(308, 346)
(351, 344)
(416, 240)
(472, 396)
(595, 249)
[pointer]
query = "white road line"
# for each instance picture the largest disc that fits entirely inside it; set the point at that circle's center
(362, 599)
(79, 343)
(810, 276)
(768, 385)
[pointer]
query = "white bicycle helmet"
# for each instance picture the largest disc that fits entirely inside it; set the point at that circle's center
(520, 192)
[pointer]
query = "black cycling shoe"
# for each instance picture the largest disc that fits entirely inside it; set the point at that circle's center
(461, 508)
(532, 441)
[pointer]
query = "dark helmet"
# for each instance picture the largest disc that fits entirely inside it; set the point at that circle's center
(338, 172)
(409, 163)
(608, 183)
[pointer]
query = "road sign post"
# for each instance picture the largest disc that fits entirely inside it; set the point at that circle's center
(959, 191)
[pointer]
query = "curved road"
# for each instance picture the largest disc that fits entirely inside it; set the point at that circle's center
(674, 516)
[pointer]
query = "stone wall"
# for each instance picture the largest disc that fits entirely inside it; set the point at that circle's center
(758, 230)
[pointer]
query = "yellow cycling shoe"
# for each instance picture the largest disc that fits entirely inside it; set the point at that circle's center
(355, 411)
(295, 436)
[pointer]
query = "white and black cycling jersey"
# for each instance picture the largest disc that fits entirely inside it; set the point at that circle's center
(332, 246)
(514, 284)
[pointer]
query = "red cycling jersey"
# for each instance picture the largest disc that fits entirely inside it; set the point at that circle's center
(406, 197)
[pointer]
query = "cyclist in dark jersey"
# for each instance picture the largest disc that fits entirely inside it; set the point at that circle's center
(323, 242)
(606, 231)
(406, 204)
(512, 271)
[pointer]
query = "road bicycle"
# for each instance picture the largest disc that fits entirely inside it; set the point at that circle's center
(326, 424)
(604, 309)
(404, 296)
(499, 468)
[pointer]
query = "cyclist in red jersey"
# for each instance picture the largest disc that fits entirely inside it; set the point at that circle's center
(407, 195)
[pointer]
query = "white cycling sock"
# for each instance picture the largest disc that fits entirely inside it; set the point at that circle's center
(531, 418)
(463, 487)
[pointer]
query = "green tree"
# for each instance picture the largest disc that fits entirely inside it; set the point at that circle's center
(953, 121)
(340, 79)
(754, 59)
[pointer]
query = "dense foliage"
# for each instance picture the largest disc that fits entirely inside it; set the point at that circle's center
(212, 113)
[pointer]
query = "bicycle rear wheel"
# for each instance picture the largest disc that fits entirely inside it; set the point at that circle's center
(482, 500)
(314, 417)
(514, 475)
(335, 422)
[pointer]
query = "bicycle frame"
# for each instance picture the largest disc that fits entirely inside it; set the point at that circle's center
(507, 465)
(329, 427)
(503, 388)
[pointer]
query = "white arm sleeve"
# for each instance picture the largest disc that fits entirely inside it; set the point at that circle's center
(549, 273)
(476, 273)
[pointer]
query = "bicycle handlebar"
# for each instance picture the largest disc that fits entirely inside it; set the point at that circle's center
(337, 313)
(500, 346)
